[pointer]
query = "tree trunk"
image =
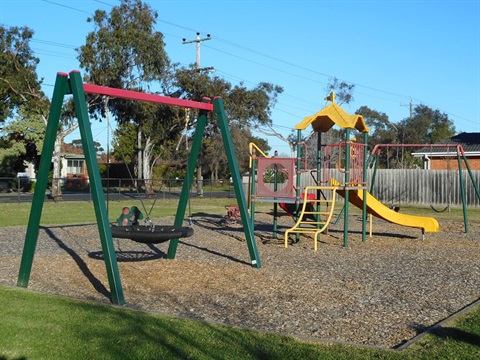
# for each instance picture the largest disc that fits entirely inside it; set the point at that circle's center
(215, 174)
(148, 163)
(138, 185)
(56, 188)
(199, 181)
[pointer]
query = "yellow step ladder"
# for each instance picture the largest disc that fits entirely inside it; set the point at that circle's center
(304, 226)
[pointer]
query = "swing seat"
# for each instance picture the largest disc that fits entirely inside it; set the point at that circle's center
(127, 227)
(150, 234)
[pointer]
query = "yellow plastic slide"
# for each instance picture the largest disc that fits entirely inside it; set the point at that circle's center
(376, 208)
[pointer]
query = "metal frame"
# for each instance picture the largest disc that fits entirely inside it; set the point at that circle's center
(71, 84)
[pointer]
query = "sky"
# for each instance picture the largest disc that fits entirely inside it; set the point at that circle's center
(395, 52)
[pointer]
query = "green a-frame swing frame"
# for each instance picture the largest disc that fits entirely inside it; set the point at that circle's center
(71, 84)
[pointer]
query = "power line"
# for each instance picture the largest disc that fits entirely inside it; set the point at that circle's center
(53, 43)
(387, 92)
(257, 53)
(68, 7)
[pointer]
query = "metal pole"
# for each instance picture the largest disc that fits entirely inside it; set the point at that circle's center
(253, 189)
(319, 176)
(31, 237)
(375, 166)
(98, 195)
(298, 183)
(219, 110)
(347, 185)
(365, 179)
(185, 194)
(462, 190)
(275, 204)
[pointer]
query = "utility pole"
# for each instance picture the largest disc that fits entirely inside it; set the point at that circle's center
(411, 108)
(403, 129)
(198, 40)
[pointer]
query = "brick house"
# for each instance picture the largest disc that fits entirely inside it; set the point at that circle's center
(445, 158)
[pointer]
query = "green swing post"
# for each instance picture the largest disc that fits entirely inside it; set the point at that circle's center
(185, 194)
(462, 191)
(462, 185)
(318, 179)
(219, 110)
(96, 188)
(365, 179)
(347, 186)
(61, 88)
(74, 86)
(275, 204)
(374, 175)
(298, 182)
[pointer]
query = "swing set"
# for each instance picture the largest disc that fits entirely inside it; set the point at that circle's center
(71, 84)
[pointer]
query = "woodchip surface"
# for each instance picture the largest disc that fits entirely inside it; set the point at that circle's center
(382, 292)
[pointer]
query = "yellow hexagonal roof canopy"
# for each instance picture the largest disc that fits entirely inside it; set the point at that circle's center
(332, 115)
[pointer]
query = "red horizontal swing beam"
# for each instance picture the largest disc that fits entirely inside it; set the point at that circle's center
(137, 95)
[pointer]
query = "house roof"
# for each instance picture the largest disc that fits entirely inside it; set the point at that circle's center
(73, 156)
(71, 151)
(470, 143)
(331, 115)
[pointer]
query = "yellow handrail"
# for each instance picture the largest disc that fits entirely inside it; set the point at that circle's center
(250, 150)
(253, 145)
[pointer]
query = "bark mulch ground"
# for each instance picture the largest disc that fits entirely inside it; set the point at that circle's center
(382, 292)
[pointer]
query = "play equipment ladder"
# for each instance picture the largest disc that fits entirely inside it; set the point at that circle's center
(304, 226)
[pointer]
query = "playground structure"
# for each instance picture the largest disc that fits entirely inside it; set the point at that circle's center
(353, 188)
(272, 180)
(71, 84)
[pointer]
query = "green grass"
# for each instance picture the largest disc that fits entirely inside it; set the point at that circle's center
(39, 326)
(459, 339)
(77, 212)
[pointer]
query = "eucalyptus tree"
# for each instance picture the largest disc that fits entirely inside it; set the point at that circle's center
(19, 82)
(382, 131)
(124, 51)
(24, 106)
(23, 141)
(427, 126)
(246, 109)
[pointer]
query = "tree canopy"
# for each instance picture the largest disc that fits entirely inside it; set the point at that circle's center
(426, 126)
(24, 106)
(124, 51)
(19, 83)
